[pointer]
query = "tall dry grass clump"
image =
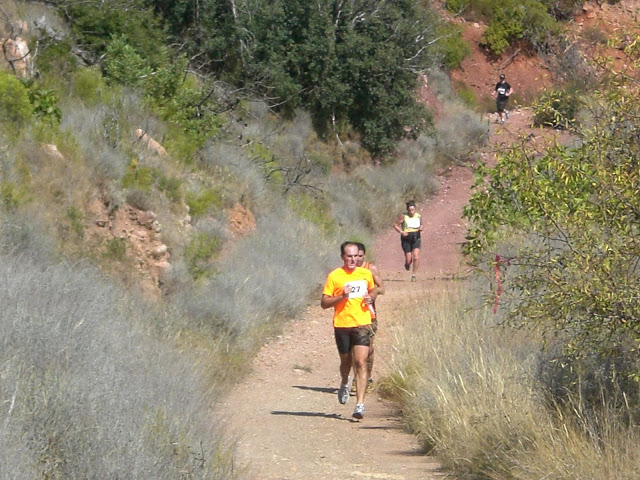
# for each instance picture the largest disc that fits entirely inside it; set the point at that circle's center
(468, 389)
(88, 392)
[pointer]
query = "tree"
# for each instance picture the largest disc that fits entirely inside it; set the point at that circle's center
(569, 222)
(352, 63)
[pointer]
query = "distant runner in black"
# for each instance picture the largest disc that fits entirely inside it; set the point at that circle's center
(502, 92)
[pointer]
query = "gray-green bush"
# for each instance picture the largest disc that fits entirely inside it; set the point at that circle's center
(268, 276)
(87, 392)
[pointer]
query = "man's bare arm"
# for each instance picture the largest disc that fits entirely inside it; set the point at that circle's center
(377, 279)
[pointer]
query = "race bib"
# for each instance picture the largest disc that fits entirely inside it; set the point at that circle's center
(502, 91)
(358, 288)
(412, 222)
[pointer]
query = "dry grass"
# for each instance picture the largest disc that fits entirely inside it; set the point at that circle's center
(88, 392)
(468, 390)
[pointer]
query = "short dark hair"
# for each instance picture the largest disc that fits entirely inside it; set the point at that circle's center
(411, 203)
(362, 247)
(346, 244)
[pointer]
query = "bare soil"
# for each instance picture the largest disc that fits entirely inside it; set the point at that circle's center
(285, 414)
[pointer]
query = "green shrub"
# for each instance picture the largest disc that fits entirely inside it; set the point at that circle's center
(457, 6)
(557, 109)
(171, 187)
(465, 93)
(15, 108)
(123, 64)
(96, 22)
(200, 202)
(200, 253)
(13, 195)
(44, 102)
(511, 20)
(56, 58)
(502, 30)
(139, 199)
(138, 176)
(116, 249)
(76, 221)
(452, 46)
(88, 85)
(314, 210)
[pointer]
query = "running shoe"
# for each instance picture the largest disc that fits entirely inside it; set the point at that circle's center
(343, 394)
(369, 385)
(359, 411)
(407, 266)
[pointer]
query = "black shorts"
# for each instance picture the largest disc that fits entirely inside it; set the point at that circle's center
(346, 338)
(501, 103)
(410, 242)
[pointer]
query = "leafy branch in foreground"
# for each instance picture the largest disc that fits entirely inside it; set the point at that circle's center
(570, 220)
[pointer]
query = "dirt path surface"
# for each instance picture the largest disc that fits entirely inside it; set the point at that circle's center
(286, 413)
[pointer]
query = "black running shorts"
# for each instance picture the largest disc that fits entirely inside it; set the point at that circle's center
(501, 103)
(346, 338)
(410, 242)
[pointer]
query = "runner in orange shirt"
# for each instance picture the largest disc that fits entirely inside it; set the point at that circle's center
(377, 279)
(350, 291)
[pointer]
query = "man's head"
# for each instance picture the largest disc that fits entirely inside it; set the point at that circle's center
(411, 207)
(502, 77)
(361, 252)
(349, 253)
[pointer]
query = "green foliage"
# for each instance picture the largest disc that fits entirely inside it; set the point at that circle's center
(175, 96)
(44, 102)
(116, 249)
(56, 58)
(503, 29)
(171, 187)
(124, 64)
(76, 220)
(569, 220)
(88, 85)
(200, 202)
(262, 155)
(466, 94)
(452, 47)
(15, 108)
(557, 109)
(353, 64)
(138, 176)
(139, 199)
(13, 195)
(511, 20)
(314, 210)
(200, 253)
(95, 22)
(457, 6)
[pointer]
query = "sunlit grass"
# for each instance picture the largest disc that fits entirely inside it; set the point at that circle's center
(468, 389)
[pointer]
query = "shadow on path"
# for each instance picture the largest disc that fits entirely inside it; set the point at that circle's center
(317, 389)
(335, 416)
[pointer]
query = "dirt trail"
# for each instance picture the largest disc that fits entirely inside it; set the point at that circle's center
(286, 414)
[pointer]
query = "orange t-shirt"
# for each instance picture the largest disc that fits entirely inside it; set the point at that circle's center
(351, 311)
